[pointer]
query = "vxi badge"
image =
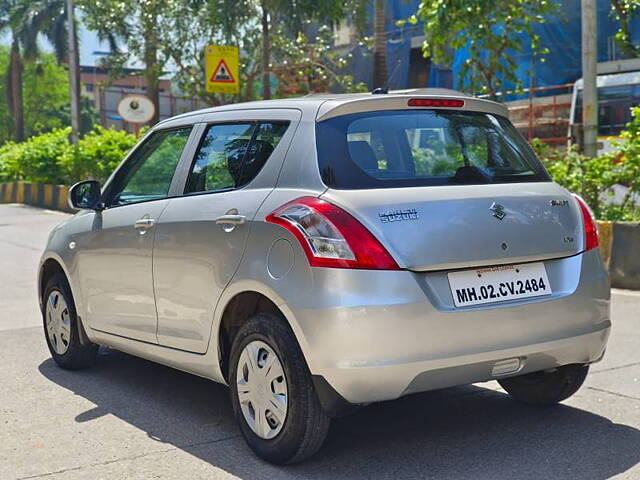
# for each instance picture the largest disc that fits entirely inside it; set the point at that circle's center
(498, 210)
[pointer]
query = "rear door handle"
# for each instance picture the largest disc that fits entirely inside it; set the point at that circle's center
(144, 223)
(231, 220)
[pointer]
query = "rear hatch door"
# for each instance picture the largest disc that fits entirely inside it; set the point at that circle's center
(446, 187)
(433, 228)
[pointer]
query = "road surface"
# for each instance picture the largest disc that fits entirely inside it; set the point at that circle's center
(131, 419)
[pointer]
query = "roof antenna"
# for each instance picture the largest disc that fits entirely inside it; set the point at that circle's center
(384, 90)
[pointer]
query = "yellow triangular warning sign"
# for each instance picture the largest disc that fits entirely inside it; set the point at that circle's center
(222, 74)
(222, 69)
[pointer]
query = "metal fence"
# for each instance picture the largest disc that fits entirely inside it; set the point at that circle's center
(170, 105)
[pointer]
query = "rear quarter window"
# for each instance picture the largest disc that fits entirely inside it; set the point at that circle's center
(423, 147)
(231, 155)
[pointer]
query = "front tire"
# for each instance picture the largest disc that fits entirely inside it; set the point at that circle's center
(272, 393)
(546, 388)
(62, 329)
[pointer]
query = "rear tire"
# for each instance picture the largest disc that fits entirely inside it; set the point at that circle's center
(304, 427)
(546, 388)
(62, 329)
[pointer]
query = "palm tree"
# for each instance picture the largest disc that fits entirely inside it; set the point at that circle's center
(16, 18)
(24, 20)
(52, 21)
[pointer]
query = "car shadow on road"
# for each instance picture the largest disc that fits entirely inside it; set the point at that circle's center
(464, 432)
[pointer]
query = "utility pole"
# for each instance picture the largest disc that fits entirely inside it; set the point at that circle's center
(589, 78)
(379, 45)
(74, 77)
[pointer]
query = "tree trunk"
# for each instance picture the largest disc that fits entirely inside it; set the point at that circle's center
(73, 62)
(77, 75)
(491, 89)
(14, 92)
(379, 46)
(152, 68)
(247, 95)
(266, 52)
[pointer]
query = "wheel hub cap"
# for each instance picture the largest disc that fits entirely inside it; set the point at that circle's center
(262, 389)
(58, 322)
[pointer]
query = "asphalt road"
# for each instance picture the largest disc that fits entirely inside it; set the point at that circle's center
(131, 419)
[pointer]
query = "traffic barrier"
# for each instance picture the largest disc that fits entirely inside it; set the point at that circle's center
(53, 197)
(624, 266)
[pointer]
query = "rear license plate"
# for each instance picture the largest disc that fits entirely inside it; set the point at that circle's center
(498, 284)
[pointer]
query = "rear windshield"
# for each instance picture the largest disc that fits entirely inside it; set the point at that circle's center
(423, 147)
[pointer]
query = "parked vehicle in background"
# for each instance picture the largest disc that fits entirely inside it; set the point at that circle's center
(322, 253)
(618, 93)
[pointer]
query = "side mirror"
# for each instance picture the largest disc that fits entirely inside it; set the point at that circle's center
(85, 195)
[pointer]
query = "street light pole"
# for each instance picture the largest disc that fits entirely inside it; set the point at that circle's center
(589, 77)
(74, 85)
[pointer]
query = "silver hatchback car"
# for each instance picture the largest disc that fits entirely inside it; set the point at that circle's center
(322, 253)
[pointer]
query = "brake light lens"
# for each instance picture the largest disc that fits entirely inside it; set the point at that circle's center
(436, 102)
(331, 237)
(590, 226)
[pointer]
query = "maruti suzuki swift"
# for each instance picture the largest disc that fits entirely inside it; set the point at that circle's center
(322, 253)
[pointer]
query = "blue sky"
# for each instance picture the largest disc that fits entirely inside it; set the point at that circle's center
(89, 46)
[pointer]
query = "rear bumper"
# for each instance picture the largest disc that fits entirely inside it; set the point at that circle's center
(379, 335)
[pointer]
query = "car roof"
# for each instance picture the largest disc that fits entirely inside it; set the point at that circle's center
(328, 105)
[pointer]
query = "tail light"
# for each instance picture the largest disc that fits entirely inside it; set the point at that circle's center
(330, 237)
(590, 227)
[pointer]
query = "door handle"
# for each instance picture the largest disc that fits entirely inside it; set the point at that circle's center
(144, 223)
(231, 220)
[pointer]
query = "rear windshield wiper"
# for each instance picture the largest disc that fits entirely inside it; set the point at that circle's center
(470, 174)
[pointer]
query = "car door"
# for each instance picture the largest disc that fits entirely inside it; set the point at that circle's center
(115, 256)
(200, 236)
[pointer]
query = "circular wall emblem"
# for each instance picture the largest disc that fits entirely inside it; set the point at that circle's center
(136, 109)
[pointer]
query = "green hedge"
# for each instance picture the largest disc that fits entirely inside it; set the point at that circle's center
(50, 158)
(593, 178)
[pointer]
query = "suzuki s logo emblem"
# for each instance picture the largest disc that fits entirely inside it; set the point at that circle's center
(498, 210)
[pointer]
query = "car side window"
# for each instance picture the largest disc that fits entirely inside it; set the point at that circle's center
(147, 175)
(231, 155)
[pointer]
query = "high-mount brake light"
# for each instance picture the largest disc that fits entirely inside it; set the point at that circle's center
(331, 237)
(590, 227)
(436, 102)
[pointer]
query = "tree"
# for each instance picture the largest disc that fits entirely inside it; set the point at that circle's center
(493, 32)
(291, 16)
(625, 12)
(197, 23)
(24, 20)
(307, 66)
(51, 20)
(16, 19)
(46, 97)
(294, 57)
(133, 23)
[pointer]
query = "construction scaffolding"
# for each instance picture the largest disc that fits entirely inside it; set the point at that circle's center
(544, 114)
